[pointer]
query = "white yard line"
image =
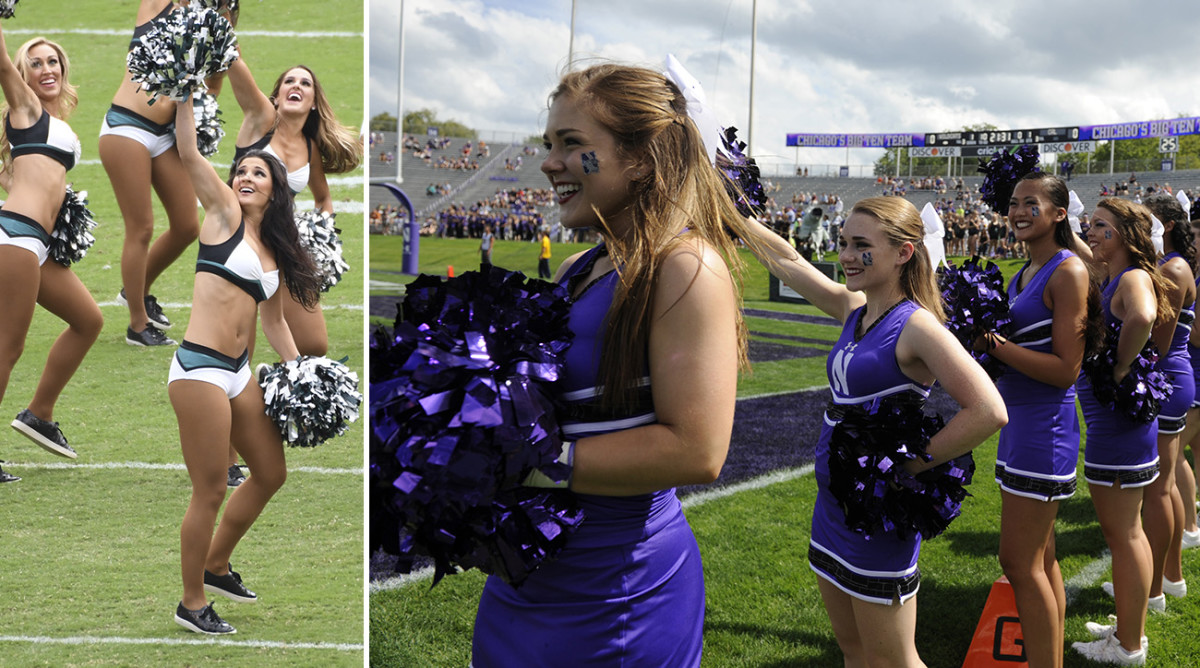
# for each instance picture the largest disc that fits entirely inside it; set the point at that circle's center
(149, 466)
(223, 642)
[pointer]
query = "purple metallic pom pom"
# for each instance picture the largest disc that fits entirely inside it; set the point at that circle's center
(462, 409)
(1140, 394)
(976, 303)
(868, 450)
(743, 185)
(1002, 173)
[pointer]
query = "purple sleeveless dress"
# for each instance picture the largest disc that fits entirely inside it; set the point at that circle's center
(1176, 362)
(1117, 448)
(1039, 447)
(862, 369)
(1193, 351)
(628, 589)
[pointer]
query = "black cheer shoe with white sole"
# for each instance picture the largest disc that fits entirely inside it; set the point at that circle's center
(205, 620)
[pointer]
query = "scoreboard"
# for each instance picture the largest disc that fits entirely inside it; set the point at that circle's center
(1003, 137)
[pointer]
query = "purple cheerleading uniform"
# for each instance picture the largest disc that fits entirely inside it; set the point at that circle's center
(1177, 364)
(1117, 448)
(1039, 447)
(881, 567)
(628, 588)
(1193, 353)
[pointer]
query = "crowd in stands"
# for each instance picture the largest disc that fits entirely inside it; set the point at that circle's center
(514, 214)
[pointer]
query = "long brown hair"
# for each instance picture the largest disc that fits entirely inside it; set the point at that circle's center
(278, 233)
(901, 222)
(338, 145)
(1133, 223)
(68, 98)
(680, 195)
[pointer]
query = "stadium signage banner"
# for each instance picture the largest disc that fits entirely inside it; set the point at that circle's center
(815, 140)
(935, 152)
(1142, 129)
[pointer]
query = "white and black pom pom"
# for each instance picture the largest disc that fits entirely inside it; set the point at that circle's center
(320, 238)
(231, 5)
(180, 51)
(311, 399)
(6, 8)
(72, 236)
(209, 132)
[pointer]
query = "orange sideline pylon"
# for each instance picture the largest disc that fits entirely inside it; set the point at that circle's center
(449, 271)
(998, 642)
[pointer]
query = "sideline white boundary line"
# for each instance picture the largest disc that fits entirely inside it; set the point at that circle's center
(224, 642)
(148, 466)
(782, 475)
(113, 32)
(324, 307)
(1088, 576)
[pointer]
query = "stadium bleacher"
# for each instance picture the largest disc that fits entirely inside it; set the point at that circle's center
(468, 187)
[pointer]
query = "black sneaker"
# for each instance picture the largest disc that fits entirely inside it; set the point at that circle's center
(228, 585)
(7, 477)
(236, 477)
(204, 620)
(158, 319)
(45, 434)
(147, 337)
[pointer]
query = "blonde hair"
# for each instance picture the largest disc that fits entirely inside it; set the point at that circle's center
(901, 222)
(1134, 225)
(338, 145)
(68, 98)
(680, 194)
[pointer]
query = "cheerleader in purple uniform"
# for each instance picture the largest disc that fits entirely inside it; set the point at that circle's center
(1163, 512)
(1039, 448)
(650, 381)
(1121, 455)
(1185, 475)
(892, 345)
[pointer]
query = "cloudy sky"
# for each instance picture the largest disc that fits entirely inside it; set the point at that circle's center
(823, 66)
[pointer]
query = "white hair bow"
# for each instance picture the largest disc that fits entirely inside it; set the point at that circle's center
(1074, 210)
(1184, 202)
(697, 106)
(935, 233)
(1156, 233)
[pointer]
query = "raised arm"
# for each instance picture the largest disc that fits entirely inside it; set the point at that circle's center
(258, 112)
(23, 106)
(216, 197)
(693, 377)
(778, 256)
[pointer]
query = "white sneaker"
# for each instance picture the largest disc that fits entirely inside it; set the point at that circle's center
(1176, 589)
(1109, 650)
(1103, 631)
(1191, 539)
(1155, 604)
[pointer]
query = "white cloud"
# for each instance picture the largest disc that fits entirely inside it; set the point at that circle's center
(821, 65)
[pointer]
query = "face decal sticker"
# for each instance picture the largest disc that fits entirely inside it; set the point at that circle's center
(1036, 211)
(1107, 234)
(867, 260)
(590, 164)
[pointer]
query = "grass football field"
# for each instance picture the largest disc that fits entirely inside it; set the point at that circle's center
(763, 606)
(89, 549)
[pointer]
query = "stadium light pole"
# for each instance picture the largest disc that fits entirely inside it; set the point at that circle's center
(571, 43)
(400, 101)
(753, 45)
